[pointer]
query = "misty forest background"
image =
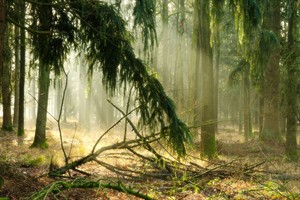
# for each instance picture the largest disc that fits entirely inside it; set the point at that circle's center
(176, 71)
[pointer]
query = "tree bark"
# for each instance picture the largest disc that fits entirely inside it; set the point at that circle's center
(45, 18)
(17, 71)
(40, 131)
(165, 42)
(291, 84)
(271, 129)
(193, 67)
(208, 143)
(247, 109)
(5, 70)
(2, 33)
(178, 80)
(22, 71)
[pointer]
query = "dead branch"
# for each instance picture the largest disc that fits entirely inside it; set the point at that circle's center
(92, 156)
(110, 128)
(147, 146)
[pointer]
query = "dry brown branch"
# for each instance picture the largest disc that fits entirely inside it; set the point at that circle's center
(94, 155)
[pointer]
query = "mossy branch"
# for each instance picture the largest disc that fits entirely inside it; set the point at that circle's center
(60, 186)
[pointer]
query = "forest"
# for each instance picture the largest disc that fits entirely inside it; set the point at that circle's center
(149, 99)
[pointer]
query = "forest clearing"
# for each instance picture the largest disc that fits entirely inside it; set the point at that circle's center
(149, 99)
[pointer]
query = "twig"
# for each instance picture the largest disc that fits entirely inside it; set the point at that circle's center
(147, 145)
(114, 125)
(127, 109)
(71, 147)
(59, 117)
(117, 170)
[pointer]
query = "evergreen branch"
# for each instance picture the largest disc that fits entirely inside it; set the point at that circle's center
(30, 30)
(110, 47)
(60, 186)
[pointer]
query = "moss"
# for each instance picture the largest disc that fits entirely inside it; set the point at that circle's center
(42, 145)
(8, 128)
(29, 161)
(21, 132)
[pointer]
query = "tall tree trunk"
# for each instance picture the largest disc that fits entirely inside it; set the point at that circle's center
(193, 67)
(291, 94)
(2, 33)
(247, 109)
(216, 76)
(271, 129)
(178, 80)
(22, 71)
(208, 143)
(165, 42)
(33, 93)
(40, 131)
(5, 70)
(17, 71)
(45, 18)
(241, 107)
(82, 92)
(197, 106)
(261, 109)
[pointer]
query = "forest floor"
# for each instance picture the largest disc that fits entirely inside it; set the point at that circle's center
(269, 175)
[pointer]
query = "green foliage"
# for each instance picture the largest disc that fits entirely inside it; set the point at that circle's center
(144, 16)
(108, 45)
(53, 40)
(60, 186)
(236, 73)
(98, 28)
(9, 128)
(30, 161)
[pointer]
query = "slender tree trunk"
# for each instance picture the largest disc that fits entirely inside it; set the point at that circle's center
(241, 108)
(261, 109)
(291, 94)
(58, 95)
(33, 101)
(271, 129)
(197, 73)
(88, 107)
(165, 42)
(22, 71)
(2, 33)
(208, 143)
(82, 92)
(247, 109)
(193, 67)
(216, 77)
(17, 71)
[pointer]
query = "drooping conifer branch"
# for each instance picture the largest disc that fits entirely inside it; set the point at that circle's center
(108, 43)
(144, 16)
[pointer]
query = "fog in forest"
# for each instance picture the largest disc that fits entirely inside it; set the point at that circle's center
(87, 111)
